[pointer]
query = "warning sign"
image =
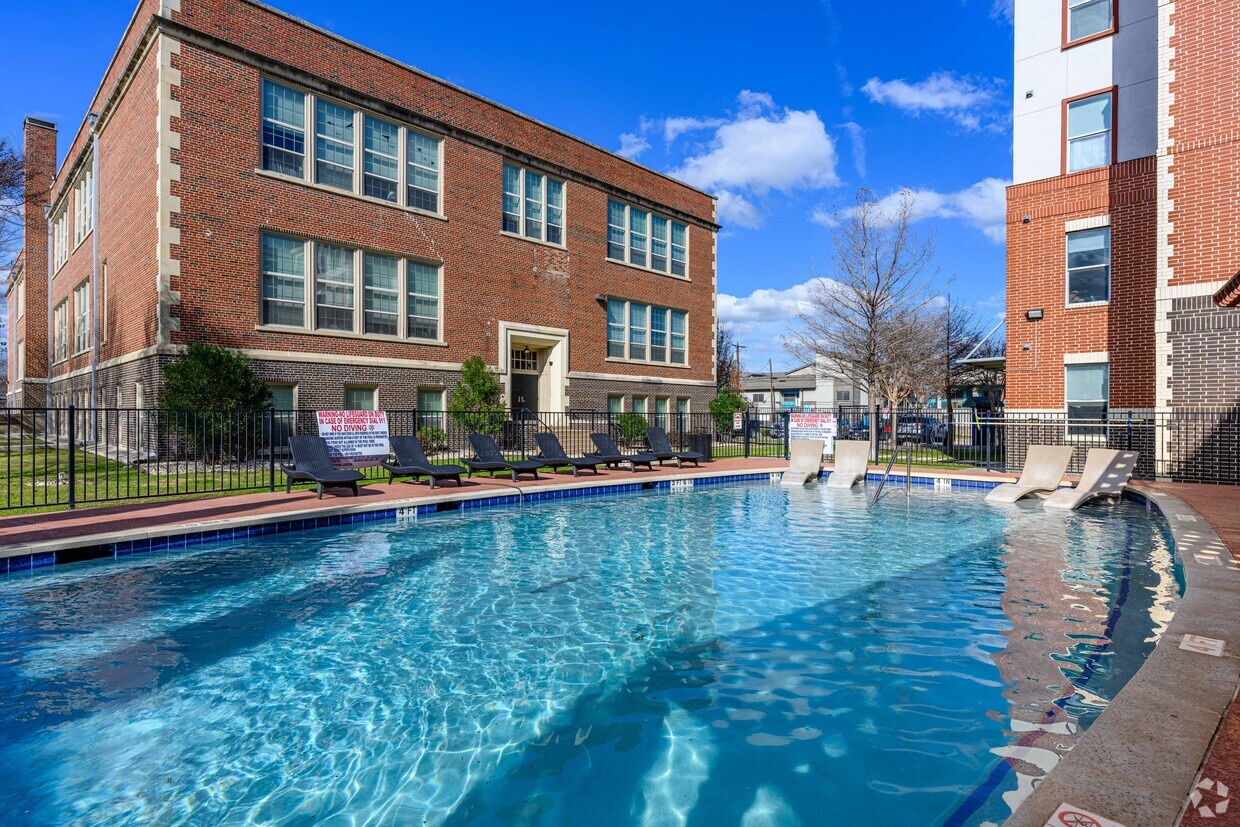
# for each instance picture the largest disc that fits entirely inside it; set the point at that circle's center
(813, 426)
(1070, 816)
(355, 439)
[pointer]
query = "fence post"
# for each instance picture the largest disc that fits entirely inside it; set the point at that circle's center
(745, 433)
(271, 448)
(72, 457)
(787, 442)
(986, 436)
(1129, 448)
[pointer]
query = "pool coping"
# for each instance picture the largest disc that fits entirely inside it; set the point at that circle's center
(1139, 761)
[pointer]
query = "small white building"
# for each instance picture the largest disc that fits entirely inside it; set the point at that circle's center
(809, 387)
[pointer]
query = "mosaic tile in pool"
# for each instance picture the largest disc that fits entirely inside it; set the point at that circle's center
(742, 654)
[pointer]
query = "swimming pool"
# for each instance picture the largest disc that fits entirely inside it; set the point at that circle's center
(742, 654)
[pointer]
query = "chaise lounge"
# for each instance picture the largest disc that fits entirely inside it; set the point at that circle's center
(1106, 474)
(490, 458)
(313, 463)
(411, 461)
(661, 447)
(1044, 468)
(552, 452)
(805, 463)
(852, 461)
(609, 455)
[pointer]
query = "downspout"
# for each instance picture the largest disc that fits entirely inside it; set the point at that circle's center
(93, 117)
(47, 387)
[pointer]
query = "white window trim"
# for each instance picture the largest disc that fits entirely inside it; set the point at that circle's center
(60, 332)
(60, 240)
(359, 148)
(1067, 281)
(1097, 433)
(310, 306)
(84, 208)
(20, 299)
(628, 208)
(374, 390)
(521, 206)
(627, 338)
(81, 314)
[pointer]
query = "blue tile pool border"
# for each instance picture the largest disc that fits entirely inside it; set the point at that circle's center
(187, 539)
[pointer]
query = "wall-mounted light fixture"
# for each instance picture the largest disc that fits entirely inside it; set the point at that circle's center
(1028, 219)
(1033, 315)
(600, 298)
(1028, 94)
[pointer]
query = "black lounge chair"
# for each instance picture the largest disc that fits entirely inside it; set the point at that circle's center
(610, 455)
(661, 447)
(553, 452)
(489, 458)
(312, 463)
(411, 461)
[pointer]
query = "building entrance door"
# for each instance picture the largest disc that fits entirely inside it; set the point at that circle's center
(524, 394)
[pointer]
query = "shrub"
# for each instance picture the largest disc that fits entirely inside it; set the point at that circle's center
(726, 403)
(432, 438)
(477, 403)
(212, 399)
(632, 427)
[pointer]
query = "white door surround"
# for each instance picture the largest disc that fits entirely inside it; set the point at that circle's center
(551, 343)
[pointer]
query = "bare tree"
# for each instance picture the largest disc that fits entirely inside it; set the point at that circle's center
(860, 313)
(957, 333)
(12, 203)
(727, 368)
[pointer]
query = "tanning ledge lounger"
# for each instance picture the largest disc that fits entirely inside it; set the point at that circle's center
(1106, 474)
(806, 462)
(852, 460)
(1045, 466)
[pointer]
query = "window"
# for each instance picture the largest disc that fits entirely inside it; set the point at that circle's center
(391, 289)
(60, 241)
(381, 160)
(84, 217)
(283, 403)
(533, 205)
(20, 367)
(790, 398)
(81, 318)
(284, 129)
(284, 281)
(682, 406)
(759, 397)
(284, 397)
(60, 338)
(337, 144)
(1086, 392)
(1089, 266)
(333, 287)
(430, 399)
(523, 359)
(381, 281)
(615, 404)
(662, 406)
(423, 301)
(361, 399)
(1087, 18)
(1089, 132)
(843, 396)
(639, 405)
(643, 333)
(21, 298)
(646, 240)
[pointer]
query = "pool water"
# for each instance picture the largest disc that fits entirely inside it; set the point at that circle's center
(740, 654)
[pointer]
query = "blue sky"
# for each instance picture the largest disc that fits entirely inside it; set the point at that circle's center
(783, 112)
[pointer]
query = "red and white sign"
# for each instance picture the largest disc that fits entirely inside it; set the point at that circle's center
(813, 426)
(738, 421)
(1069, 816)
(355, 439)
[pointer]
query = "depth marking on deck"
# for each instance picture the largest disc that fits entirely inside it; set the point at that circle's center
(1069, 815)
(1203, 645)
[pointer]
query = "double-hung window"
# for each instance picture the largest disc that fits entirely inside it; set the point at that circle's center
(1086, 391)
(645, 333)
(81, 317)
(60, 327)
(84, 217)
(1089, 266)
(533, 205)
(1088, 18)
(60, 240)
(647, 240)
(353, 290)
(395, 159)
(1089, 132)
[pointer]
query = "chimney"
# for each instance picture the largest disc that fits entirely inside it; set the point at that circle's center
(39, 162)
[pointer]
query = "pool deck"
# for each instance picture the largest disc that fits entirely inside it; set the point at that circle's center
(1173, 729)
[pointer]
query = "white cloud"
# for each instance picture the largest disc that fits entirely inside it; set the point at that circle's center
(781, 151)
(856, 136)
(735, 210)
(673, 128)
(1004, 10)
(965, 100)
(632, 145)
(765, 304)
(982, 206)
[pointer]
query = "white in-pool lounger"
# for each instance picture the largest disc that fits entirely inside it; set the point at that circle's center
(852, 460)
(1106, 474)
(806, 462)
(1045, 466)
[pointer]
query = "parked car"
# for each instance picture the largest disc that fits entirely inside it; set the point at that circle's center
(924, 430)
(861, 430)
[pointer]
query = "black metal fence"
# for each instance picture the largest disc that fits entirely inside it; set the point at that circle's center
(71, 456)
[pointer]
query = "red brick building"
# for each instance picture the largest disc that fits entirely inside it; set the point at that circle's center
(354, 226)
(1123, 215)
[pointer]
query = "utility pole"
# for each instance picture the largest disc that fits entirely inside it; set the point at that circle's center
(737, 370)
(770, 368)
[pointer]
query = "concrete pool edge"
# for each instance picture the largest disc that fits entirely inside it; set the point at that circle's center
(1140, 760)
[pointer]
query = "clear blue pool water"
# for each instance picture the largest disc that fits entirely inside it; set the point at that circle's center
(735, 655)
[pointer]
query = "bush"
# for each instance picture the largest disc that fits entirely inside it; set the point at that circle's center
(632, 427)
(213, 397)
(477, 403)
(432, 438)
(726, 403)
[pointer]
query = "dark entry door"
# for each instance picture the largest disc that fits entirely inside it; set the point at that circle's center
(524, 393)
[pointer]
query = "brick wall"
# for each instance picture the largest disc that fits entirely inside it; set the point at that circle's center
(1036, 278)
